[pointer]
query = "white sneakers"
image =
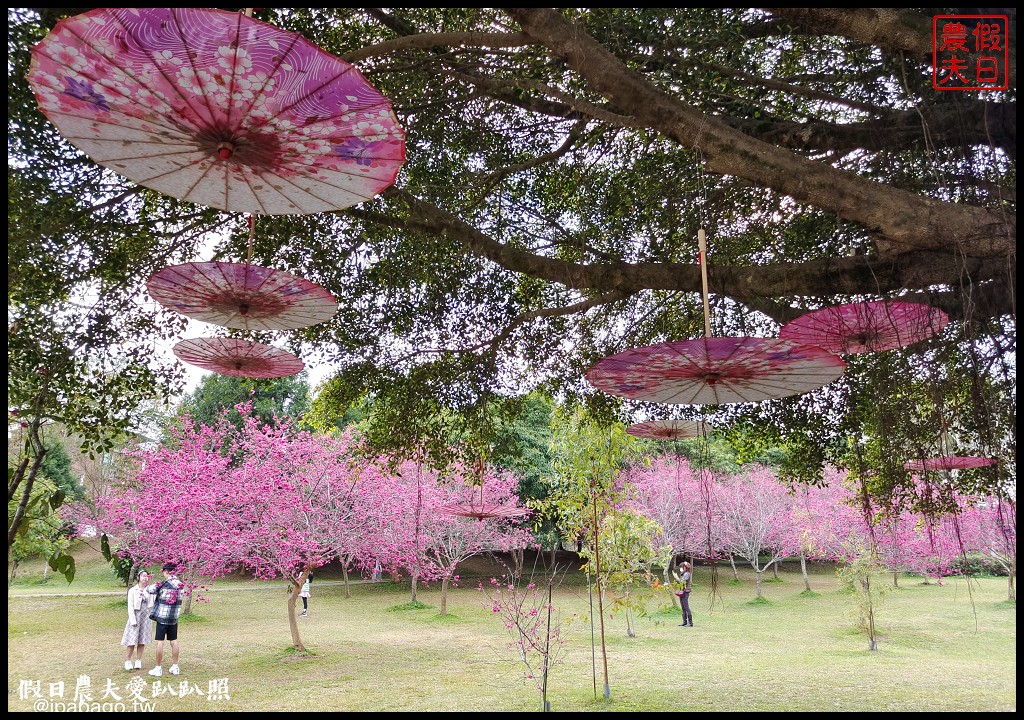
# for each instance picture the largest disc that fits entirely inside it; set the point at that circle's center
(138, 665)
(128, 665)
(159, 671)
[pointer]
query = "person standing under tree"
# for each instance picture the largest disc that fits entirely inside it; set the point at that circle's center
(304, 594)
(684, 576)
(169, 595)
(138, 631)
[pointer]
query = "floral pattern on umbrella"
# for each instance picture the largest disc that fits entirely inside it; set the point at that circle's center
(667, 429)
(866, 326)
(242, 296)
(949, 462)
(241, 358)
(217, 108)
(714, 371)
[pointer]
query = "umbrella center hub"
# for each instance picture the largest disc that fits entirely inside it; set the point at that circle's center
(247, 147)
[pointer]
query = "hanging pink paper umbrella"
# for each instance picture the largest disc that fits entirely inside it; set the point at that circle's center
(866, 326)
(950, 462)
(238, 295)
(713, 371)
(217, 108)
(480, 509)
(484, 510)
(241, 358)
(667, 429)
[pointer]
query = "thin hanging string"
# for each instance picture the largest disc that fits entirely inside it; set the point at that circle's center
(706, 485)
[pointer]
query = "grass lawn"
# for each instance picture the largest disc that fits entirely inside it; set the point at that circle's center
(942, 648)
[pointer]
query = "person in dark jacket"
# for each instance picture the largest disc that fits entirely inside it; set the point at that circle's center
(166, 610)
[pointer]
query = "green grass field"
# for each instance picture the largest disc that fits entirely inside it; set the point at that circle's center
(942, 648)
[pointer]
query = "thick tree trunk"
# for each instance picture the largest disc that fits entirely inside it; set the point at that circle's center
(735, 572)
(186, 609)
(444, 597)
(1011, 592)
(415, 580)
(344, 574)
(293, 621)
(759, 574)
(803, 570)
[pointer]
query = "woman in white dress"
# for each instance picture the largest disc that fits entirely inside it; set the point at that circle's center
(138, 632)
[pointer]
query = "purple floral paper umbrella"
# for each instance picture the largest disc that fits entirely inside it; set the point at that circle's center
(242, 296)
(241, 358)
(949, 462)
(866, 326)
(667, 429)
(714, 371)
(217, 108)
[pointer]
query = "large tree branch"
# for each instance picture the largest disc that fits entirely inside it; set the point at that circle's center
(904, 222)
(994, 123)
(887, 28)
(891, 29)
(822, 278)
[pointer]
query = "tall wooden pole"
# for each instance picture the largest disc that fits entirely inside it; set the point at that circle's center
(702, 251)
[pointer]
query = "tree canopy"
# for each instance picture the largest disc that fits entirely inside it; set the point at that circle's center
(560, 163)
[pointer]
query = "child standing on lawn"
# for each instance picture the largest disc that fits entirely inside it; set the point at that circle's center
(304, 594)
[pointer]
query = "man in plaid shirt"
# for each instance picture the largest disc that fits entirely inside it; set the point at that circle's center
(166, 610)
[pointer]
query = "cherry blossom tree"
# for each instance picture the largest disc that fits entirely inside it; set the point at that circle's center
(757, 520)
(264, 498)
(527, 613)
(452, 539)
(668, 492)
(992, 530)
(414, 533)
(403, 496)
